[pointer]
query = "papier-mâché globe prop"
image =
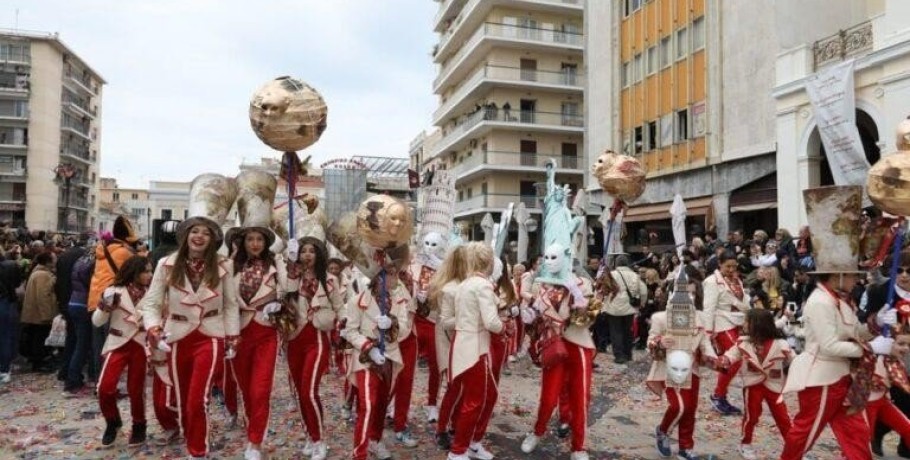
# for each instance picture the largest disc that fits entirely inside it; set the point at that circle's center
(888, 181)
(384, 222)
(619, 175)
(288, 114)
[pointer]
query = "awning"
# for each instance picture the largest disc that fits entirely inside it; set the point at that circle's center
(754, 207)
(661, 211)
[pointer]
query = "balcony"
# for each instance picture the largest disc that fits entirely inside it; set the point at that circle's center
(74, 127)
(81, 81)
(14, 85)
(16, 55)
(486, 120)
(14, 113)
(490, 34)
(447, 10)
(488, 76)
(843, 45)
(80, 109)
(492, 202)
(76, 202)
(76, 151)
(516, 162)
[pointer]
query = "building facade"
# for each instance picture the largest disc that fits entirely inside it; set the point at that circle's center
(511, 86)
(131, 202)
(50, 133)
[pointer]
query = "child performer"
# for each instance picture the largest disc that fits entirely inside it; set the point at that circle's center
(443, 288)
(765, 353)
(890, 372)
(124, 347)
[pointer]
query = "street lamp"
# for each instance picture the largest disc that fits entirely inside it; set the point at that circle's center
(64, 174)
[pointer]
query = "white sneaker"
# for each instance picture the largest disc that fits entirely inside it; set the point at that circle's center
(746, 451)
(168, 436)
(405, 439)
(252, 453)
(530, 443)
(5, 377)
(512, 358)
(307, 448)
(432, 414)
(319, 451)
(579, 455)
(477, 451)
(452, 456)
(378, 449)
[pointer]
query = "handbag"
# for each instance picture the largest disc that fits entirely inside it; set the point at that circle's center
(634, 301)
(57, 337)
(548, 348)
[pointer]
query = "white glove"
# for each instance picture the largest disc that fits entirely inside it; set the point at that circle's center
(886, 316)
(881, 345)
(293, 249)
(384, 323)
(377, 356)
(421, 296)
(230, 353)
(108, 296)
(162, 344)
(528, 315)
(514, 311)
(270, 309)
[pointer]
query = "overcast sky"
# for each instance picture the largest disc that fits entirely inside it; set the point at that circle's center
(180, 74)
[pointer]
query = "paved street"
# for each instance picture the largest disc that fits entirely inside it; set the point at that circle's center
(38, 423)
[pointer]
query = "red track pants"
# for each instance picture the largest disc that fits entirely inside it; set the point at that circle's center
(426, 347)
(824, 405)
(498, 347)
(372, 402)
(254, 369)
(308, 361)
(682, 404)
(194, 360)
(164, 402)
(131, 355)
(753, 397)
(451, 399)
(574, 375)
(404, 383)
(478, 389)
(228, 384)
(883, 410)
(726, 340)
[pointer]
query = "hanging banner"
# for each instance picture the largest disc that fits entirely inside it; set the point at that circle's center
(832, 96)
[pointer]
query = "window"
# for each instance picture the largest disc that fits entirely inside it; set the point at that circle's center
(626, 74)
(460, 195)
(483, 188)
(116, 197)
(186, 213)
(682, 43)
(652, 60)
(135, 196)
(665, 52)
(166, 214)
(682, 125)
(636, 68)
(638, 140)
(571, 115)
(652, 136)
(470, 192)
(632, 6)
(698, 33)
(138, 212)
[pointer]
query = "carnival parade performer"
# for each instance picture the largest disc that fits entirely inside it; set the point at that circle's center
(508, 310)
(765, 352)
(891, 373)
(164, 398)
(470, 364)
(725, 307)
(124, 348)
(403, 388)
(373, 318)
(192, 289)
(319, 301)
(443, 288)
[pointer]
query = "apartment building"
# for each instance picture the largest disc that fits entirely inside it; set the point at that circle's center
(131, 202)
(50, 132)
(511, 78)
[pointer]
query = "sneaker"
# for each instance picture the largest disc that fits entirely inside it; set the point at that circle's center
(168, 437)
(529, 443)
(723, 407)
(307, 448)
(432, 414)
(452, 456)
(746, 451)
(512, 358)
(686, 455)
(405, 439)
(320, 451)
(663, 443)
(563, 431)
(443, 441)
(5, 377)
(477, 451)
(137, 434)
(379, 450)
(579, 455)
(110, 432)
(252, 453)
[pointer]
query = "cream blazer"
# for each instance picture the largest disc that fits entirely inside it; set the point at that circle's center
(723, 311)
(657, 376)
(477, 316)
(126, 323)
(529, 288)
(274, 287)
(833, 337)
(445, 324)
(213, 312)
(580, 336)
(361, 332)
(327, 305)
(769, 371)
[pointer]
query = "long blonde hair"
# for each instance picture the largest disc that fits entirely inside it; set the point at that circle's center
(772, 279)
(478, 258)
(452, 269)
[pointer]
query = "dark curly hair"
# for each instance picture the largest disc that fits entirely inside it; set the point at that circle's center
(131, 269)
(241, 257)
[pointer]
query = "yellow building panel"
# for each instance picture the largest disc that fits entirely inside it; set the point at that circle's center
(626, 110)
(682, 85)
(625, 38)
(698, 150)
(682, 12)
(666, 16)
(651, 161)
(650, 25)
(698, 8)
(666, 158)
(651, 95)
(665, 79)
(638, 106)
(699, 83)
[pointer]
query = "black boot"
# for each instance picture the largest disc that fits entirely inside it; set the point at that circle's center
(562, 432)
(110, 432)
(137, 435)
(876, 445)
(903, 451)
(443, 441)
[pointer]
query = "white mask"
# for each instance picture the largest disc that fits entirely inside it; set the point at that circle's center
(497, 270)
(679, 366)
(554, 259)
(434, 245)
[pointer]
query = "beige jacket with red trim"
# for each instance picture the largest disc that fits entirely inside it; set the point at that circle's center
(657, 376)
(833, 337)
(528, 288)
(214, 312)
(723, 311)
(476, 317)
(126, 323)
(274, 287)
(769, 371)
(580, 336)
(422, 274)
(361, 331)
(445, 324)
(327, 305)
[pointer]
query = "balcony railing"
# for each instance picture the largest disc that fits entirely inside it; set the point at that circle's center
(77, 127)
(495, 201)
(7, 197)
(519, 118)
(75, 201)
(15, 54)
(509, 32)
(81, 107)
(842, 45)
(75, 150)
(82, 80)
(15, 111)
(568, 78)
(517, 159)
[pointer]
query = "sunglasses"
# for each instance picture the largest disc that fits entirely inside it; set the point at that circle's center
(902, 270)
